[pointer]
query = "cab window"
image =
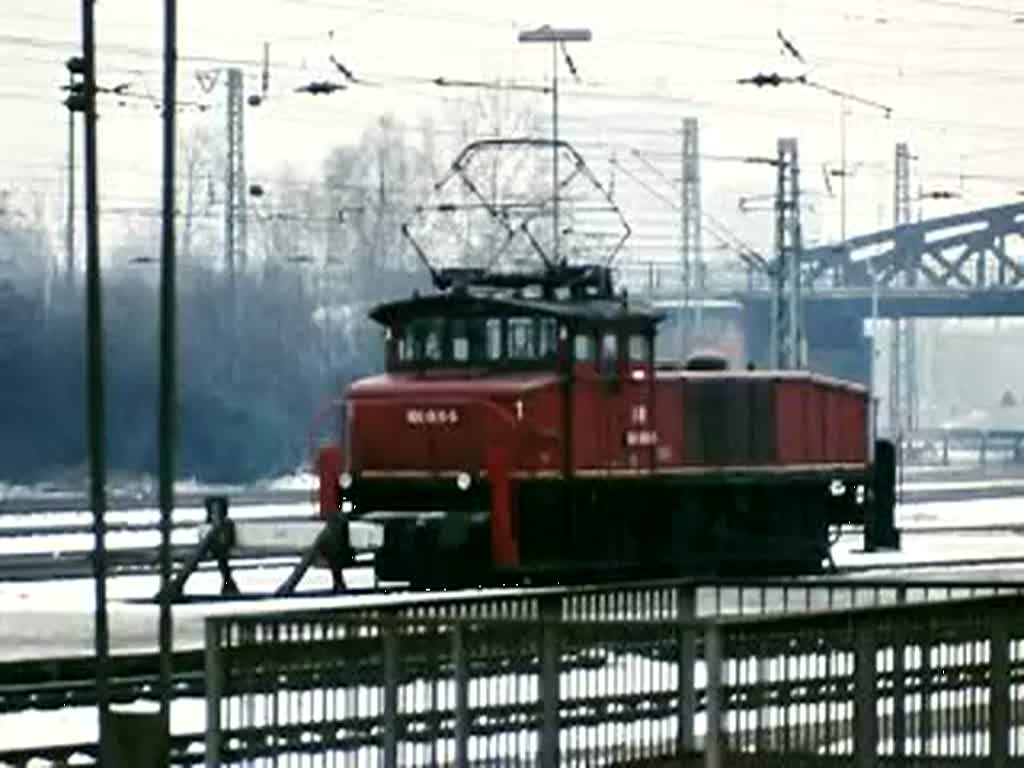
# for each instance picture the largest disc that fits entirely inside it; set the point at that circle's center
(547, 338)
(475, 341)
(406, 350)
(432, 342)
(522, 341)
(460, 340)
(410, 345)
(494, 339)
(584, 348)
(639, 348)
(609, 351)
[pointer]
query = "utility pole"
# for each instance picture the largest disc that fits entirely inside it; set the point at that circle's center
(82, 98)
(689, 205)
(167, 404)
(787, 342)
(690, 223)
(235, 212)
(902, 341)
(69, 258)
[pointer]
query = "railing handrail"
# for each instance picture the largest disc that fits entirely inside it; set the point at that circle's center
(408, 624)
(481, 597)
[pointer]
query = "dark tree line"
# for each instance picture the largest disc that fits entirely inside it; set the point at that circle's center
(258, 354)
(255, 363)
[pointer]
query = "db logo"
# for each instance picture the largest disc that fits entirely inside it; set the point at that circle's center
(418, 417)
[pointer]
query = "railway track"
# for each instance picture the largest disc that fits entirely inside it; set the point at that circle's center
(120, 562)
(140, 561)
(43, 540)
(42, 546)
(119, 502)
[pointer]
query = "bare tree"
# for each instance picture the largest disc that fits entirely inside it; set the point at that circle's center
(197, 191)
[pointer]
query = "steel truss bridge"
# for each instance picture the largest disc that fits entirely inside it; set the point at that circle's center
(968, 264)
(949, 266)
(965, 253)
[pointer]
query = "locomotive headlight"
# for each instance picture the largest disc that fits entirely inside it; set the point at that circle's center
(346, 481)
(463, 481)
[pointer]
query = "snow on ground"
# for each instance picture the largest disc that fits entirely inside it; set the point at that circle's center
(981, 512)
(29, 611)
(300, 479)
(83, 542)
(39, 620)
(961, 485)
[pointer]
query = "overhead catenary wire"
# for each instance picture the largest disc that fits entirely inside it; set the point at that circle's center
(624, 93)
(593, 91)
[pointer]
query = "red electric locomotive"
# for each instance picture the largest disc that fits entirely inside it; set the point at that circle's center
(523, 429)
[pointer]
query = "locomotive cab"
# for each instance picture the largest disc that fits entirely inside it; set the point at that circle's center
(488, 399)
(517, 435)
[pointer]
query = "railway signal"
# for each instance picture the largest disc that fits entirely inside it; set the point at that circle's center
(75, 102)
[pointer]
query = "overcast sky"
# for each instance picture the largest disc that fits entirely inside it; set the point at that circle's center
(950, 71)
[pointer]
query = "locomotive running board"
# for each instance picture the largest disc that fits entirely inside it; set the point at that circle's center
(334, 542)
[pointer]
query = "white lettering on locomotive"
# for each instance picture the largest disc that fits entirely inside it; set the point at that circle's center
(639, 414)
(637, 438)
(417, 417)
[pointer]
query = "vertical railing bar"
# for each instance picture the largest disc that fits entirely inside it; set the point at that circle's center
(713, 695)
(899, 709)
(213, 632)
(461, 674)
(389, 641)
(829, 704)
(999, 691)
(549, 686)
(865, 698)
(686, 614)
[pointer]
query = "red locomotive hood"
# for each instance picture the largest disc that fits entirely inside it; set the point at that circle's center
(400, 385)
(410, 423)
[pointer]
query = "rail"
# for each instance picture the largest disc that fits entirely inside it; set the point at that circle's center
(78, 502)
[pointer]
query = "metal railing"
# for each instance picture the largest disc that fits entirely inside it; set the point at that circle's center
(619, 648)
(870, 685)
(617, 675)
(991, 446)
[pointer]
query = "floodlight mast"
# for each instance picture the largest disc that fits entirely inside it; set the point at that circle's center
(548, 34)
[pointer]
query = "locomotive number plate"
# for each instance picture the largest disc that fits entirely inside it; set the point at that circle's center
(637, 438)
(418, 417)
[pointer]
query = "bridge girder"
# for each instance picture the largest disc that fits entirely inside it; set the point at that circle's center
(965, 250)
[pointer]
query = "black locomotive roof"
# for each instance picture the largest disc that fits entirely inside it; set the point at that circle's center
(586, 311)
